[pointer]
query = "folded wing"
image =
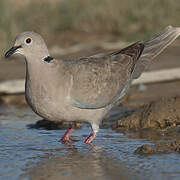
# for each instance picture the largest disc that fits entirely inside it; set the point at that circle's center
(99, 81)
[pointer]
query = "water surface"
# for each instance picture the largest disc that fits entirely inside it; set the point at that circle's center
(27, 153)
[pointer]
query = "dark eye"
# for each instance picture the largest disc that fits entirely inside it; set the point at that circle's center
(28, 40)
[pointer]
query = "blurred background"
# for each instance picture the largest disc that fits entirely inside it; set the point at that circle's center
(67, 22)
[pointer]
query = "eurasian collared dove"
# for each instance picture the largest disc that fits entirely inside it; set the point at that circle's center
(83, 89)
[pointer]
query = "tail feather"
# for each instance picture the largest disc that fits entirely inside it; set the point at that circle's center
(154, 47)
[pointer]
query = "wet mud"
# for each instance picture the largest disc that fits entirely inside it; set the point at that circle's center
(55, 125)
(155, 121)
(163, 147)
(161, 114)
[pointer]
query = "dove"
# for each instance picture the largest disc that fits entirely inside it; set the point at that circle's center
(83, 89)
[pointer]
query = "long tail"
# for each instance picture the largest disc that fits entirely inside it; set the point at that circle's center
(155, 46)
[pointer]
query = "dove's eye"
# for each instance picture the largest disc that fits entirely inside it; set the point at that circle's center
(28, 40)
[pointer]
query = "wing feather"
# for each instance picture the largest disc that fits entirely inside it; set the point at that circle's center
(98, 82)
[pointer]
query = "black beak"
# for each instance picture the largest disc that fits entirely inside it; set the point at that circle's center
(12, 51)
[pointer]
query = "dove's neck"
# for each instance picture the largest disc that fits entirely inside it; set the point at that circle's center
(41, 80)
(39, 71)
(45, 75)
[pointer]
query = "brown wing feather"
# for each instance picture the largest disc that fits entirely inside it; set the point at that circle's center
(98, 82)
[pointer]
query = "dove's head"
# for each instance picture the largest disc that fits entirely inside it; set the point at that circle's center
(29, 44)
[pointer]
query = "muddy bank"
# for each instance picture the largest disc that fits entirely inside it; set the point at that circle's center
(155, 121)
(55, 125)
(163, 147)
(161, 114)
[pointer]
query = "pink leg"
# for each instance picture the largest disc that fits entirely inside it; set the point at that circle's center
(95, 129)
(90, 138)
(65, 138)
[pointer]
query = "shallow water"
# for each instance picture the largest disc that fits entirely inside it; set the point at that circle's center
(27, 153)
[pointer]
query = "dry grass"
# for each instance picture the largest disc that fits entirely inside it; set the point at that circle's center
(128, 20)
